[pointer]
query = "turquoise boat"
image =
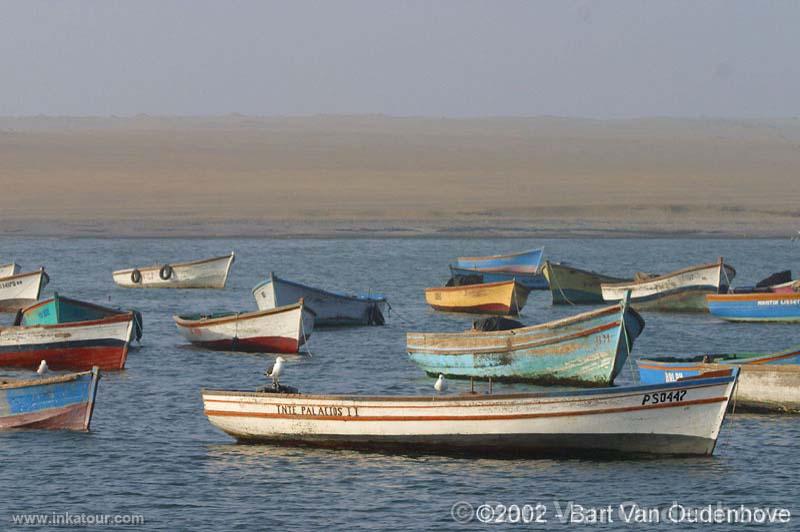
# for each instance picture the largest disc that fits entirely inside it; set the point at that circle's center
(59, 309)
(588, 349)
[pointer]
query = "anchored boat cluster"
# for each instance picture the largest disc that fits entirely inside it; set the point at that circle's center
(678, 408)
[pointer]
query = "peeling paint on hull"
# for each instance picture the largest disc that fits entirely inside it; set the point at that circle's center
(588, 349)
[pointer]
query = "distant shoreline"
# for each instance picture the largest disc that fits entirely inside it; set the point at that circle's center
(362, 230)
(377, 176)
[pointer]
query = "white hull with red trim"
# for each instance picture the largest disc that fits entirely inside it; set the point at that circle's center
(74, 346)
(682, 418)
(207, 273)
(279, 330)
(19, 291)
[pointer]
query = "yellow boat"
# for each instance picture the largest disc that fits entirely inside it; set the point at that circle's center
(505, 297)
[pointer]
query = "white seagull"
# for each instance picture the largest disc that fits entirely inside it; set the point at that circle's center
(276, 371)
(441, 384)
(42, 368)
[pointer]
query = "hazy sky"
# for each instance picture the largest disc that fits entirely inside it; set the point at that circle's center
(447, 58)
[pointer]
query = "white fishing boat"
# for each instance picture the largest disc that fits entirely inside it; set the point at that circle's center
(330, 308)
(278, 330)
(681, 418)
(7, 270)
(681, 290)
(20, 290)
(206, 273)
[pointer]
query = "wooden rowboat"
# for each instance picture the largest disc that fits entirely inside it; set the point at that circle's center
(59, 309)
(762, 307)
(503, 298)
(571, 285)
(682, 418)
(767, 382)
(20, 290)
(523, 262)
(206, 273)
(77, 346)
(7, 270)
(278, 330)
(53, 402)
(586, 349)
(330, 308)
(682, 290)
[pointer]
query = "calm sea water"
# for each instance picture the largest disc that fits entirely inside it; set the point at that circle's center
(151, 451)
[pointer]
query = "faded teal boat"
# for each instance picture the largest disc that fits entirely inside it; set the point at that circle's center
(59, 309)
(588, 349)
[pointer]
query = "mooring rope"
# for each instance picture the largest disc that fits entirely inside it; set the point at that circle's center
(558, 285)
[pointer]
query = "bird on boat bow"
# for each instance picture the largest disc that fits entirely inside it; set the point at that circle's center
(275, 372)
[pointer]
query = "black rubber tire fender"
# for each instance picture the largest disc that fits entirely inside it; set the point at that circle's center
(165, 272)
(136, 276)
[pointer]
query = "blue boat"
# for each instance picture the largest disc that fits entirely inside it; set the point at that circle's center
(655, 370)
(523, 262)
(588, 349)
(59, 309)
(61, 402)
(756, 306)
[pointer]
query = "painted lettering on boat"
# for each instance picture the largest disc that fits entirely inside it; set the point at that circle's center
(778, 302)
(9, 284)
(315, 410)
(663, 397)
(672, 376)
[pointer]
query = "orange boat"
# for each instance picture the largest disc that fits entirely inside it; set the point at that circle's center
(505, 297)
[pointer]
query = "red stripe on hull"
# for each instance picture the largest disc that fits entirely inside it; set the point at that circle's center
(489, 308)
(75, 417)
(262, 344)
(69, 358)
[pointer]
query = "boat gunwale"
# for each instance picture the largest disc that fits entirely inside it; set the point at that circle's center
(240, 316)
(116, 318)
(40, 271)
(173, 264)
(488, 399)
(55, 379)
(495, 284)
(556, 324)
(512, 347)
(503, 256)
(756, 359)
(675, 273)
(111, 311)
(755, 296)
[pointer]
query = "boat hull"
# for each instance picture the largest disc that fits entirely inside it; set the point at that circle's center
(761, 387)
(760, 307)
(588, 349)
(71, 346)
(680, 418)
(281, 330)
(570, 285)
(19, 291)
(531, 281)
(208, 273)
(502, 298)
(680, 291)
(60, 403)
(330, 309)
(522, 262)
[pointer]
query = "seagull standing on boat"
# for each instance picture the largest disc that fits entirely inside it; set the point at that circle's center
(276, 371)
(441, 384)
(42, 368)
